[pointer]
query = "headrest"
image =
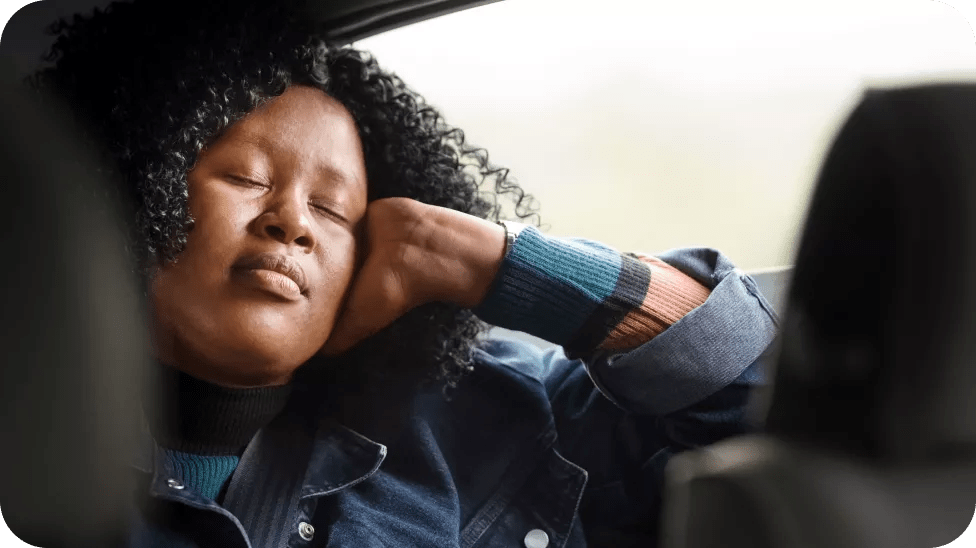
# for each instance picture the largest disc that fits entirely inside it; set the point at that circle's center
(75, 343)
(879, 337)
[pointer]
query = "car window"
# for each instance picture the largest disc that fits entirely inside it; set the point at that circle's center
(653, 125)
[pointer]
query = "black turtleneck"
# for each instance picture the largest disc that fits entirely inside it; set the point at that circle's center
(203, 428)
(200, 418)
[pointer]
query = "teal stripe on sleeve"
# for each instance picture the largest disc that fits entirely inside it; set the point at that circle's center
(548, 287)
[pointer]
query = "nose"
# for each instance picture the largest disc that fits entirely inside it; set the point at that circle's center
(286, 220)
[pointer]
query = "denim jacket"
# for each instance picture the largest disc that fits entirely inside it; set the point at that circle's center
(534, 449)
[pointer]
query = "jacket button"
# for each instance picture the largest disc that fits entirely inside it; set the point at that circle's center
(536, 538)
(306, 531)
(174, 484)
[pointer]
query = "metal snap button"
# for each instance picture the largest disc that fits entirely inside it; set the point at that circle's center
(306, 531)
(536, 538)
(174, 484)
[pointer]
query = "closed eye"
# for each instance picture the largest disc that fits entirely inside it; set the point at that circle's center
(328, 211)
(245, 181)
(324, 209)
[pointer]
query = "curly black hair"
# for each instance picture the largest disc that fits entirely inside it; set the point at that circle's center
(156, 82)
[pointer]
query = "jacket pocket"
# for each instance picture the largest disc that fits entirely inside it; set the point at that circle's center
(544, 508)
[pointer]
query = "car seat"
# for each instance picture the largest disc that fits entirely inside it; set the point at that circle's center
(74, 348)
(870, 424)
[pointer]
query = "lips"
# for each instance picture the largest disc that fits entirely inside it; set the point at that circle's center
(274, 272)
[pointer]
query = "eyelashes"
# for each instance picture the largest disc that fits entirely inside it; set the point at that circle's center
(246, 181)
(328, 211)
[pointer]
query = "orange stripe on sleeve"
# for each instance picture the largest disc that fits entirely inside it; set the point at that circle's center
(671, 295)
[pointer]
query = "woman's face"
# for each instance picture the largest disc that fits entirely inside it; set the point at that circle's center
(276, 202)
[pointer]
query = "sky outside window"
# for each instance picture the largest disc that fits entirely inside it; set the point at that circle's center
(653, 125)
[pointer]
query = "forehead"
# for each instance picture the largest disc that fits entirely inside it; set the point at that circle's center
(305, 128)
(301, 108)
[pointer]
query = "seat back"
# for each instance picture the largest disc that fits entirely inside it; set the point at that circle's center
(870, 427)
(74, 345)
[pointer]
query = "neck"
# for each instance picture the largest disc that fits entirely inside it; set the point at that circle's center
(200, 417)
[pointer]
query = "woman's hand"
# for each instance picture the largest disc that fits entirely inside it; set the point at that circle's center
(415, 254)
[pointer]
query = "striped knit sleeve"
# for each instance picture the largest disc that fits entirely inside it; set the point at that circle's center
(585, 296)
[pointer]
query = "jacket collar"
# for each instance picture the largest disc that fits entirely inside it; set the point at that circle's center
(339, 458)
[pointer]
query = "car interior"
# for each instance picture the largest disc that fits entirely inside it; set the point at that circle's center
(876, 323)
(866, 333)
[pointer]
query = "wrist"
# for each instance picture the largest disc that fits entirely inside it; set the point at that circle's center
(466, 253)
(481, 245)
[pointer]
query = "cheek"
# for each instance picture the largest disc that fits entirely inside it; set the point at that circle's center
(215, 228)
(339, 272)
(178, 288)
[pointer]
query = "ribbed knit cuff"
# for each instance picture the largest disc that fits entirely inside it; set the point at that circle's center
(549, 287)
(585, 296)
(671, 295)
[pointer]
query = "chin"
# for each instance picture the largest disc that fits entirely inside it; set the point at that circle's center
(245, 369)
(240, 346)
(261, 362)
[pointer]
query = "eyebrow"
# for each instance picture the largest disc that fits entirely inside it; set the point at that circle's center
(331, 172)
(335, 174)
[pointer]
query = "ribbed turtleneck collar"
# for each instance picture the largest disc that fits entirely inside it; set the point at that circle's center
(194, 416)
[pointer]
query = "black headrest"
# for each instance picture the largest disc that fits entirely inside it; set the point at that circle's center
(74, 342)
(879, 336)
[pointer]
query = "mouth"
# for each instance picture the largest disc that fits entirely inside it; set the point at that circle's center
(275, 273)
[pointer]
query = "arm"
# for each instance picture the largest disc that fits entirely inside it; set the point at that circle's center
(658, 334)
(655, 334)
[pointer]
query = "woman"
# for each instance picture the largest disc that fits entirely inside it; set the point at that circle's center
(319, 254)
